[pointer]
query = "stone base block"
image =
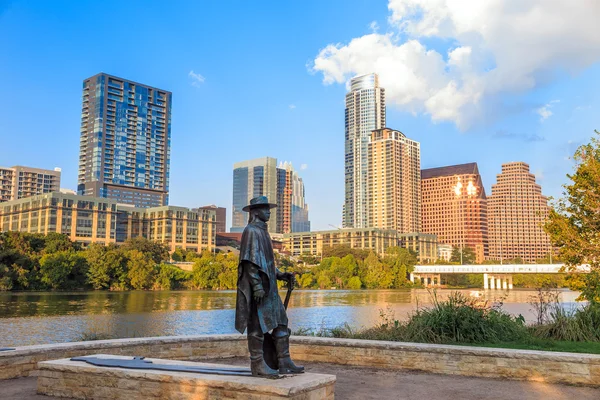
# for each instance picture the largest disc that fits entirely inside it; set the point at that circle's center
(79, 380)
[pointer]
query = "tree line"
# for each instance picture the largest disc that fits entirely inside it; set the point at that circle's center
(53, 262)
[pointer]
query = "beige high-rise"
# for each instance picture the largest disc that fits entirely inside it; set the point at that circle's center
(19, 182)
(516, 211)
(394, 181)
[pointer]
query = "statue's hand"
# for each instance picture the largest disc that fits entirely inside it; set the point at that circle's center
(290, 277)
(259, 295)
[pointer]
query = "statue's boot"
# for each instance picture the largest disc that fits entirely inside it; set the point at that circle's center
(286, 365)
(257, 362)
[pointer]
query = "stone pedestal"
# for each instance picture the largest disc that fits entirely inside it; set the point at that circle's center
(79, 380)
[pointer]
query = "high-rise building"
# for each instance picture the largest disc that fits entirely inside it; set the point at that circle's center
(19, 182)
(282, 186)
(365, 112)
(292, 210)
(253, 178)
(125, 141)
(221, 214)
(516, 212)
(454, 207)
(394, 181)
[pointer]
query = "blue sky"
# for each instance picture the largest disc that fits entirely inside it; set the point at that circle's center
(270, 89)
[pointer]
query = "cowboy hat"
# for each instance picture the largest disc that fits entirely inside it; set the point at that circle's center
(260, 201)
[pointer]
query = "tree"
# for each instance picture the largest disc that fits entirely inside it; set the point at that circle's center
(343, 250)
(323, 282)
(178, 255)
(468, 255)
(574, 221)
(170, 277)
(107, 267)
(158, 252)
(378, 275)
(306, 280)
(205, 274)
(401, 261)
(59, 242)
(141, 269)
(63, 270)
(354, 283)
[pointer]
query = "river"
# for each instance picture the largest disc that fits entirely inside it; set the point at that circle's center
(38, 318)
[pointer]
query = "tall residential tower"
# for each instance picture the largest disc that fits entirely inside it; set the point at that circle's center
(365, 112)
(394, 182)
(125, 141)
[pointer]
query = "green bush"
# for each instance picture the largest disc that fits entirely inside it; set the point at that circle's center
(461, 320)
(582, 325)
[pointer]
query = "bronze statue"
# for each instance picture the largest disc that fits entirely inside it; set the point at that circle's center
(258, 305)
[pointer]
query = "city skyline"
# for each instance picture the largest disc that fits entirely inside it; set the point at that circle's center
(541, 125)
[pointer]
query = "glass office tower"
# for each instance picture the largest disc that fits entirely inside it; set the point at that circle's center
(125, 141)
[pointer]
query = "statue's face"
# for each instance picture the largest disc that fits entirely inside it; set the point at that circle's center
(263, 213)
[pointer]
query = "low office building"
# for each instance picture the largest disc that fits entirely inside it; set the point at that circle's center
(378, 240)
(101, 220)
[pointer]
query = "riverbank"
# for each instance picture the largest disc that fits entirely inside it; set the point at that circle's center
(464, 320)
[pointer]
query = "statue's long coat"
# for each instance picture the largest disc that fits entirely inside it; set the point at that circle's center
(257, 248)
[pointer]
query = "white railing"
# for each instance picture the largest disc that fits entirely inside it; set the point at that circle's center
(494, 268)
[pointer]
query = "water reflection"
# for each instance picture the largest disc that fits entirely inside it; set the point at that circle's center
(35, 318)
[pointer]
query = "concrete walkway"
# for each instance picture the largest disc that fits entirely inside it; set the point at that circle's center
(355, 383)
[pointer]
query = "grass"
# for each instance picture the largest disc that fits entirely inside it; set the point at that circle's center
(461, 320)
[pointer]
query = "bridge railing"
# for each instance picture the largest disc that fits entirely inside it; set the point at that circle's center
(493, 268)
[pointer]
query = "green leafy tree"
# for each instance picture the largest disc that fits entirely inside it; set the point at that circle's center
(342, 251)
(63, 270)
(306, 280)
(228, 274)
(468, 255)
(158, 252)
(574, 221)
(178, 255)
(378, 274)
(107, 267)
(323, 281)
(141, 269)
(205, 274)
(354, 283)
(54, 242)
(170, 277)
(401, 261)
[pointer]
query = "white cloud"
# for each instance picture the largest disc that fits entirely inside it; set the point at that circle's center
(374, 26)
(545, 111)
(292, 106)
(197, 79)
(498, 46)
(303, 166)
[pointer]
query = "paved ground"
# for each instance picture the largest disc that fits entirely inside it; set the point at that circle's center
(354, 383)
